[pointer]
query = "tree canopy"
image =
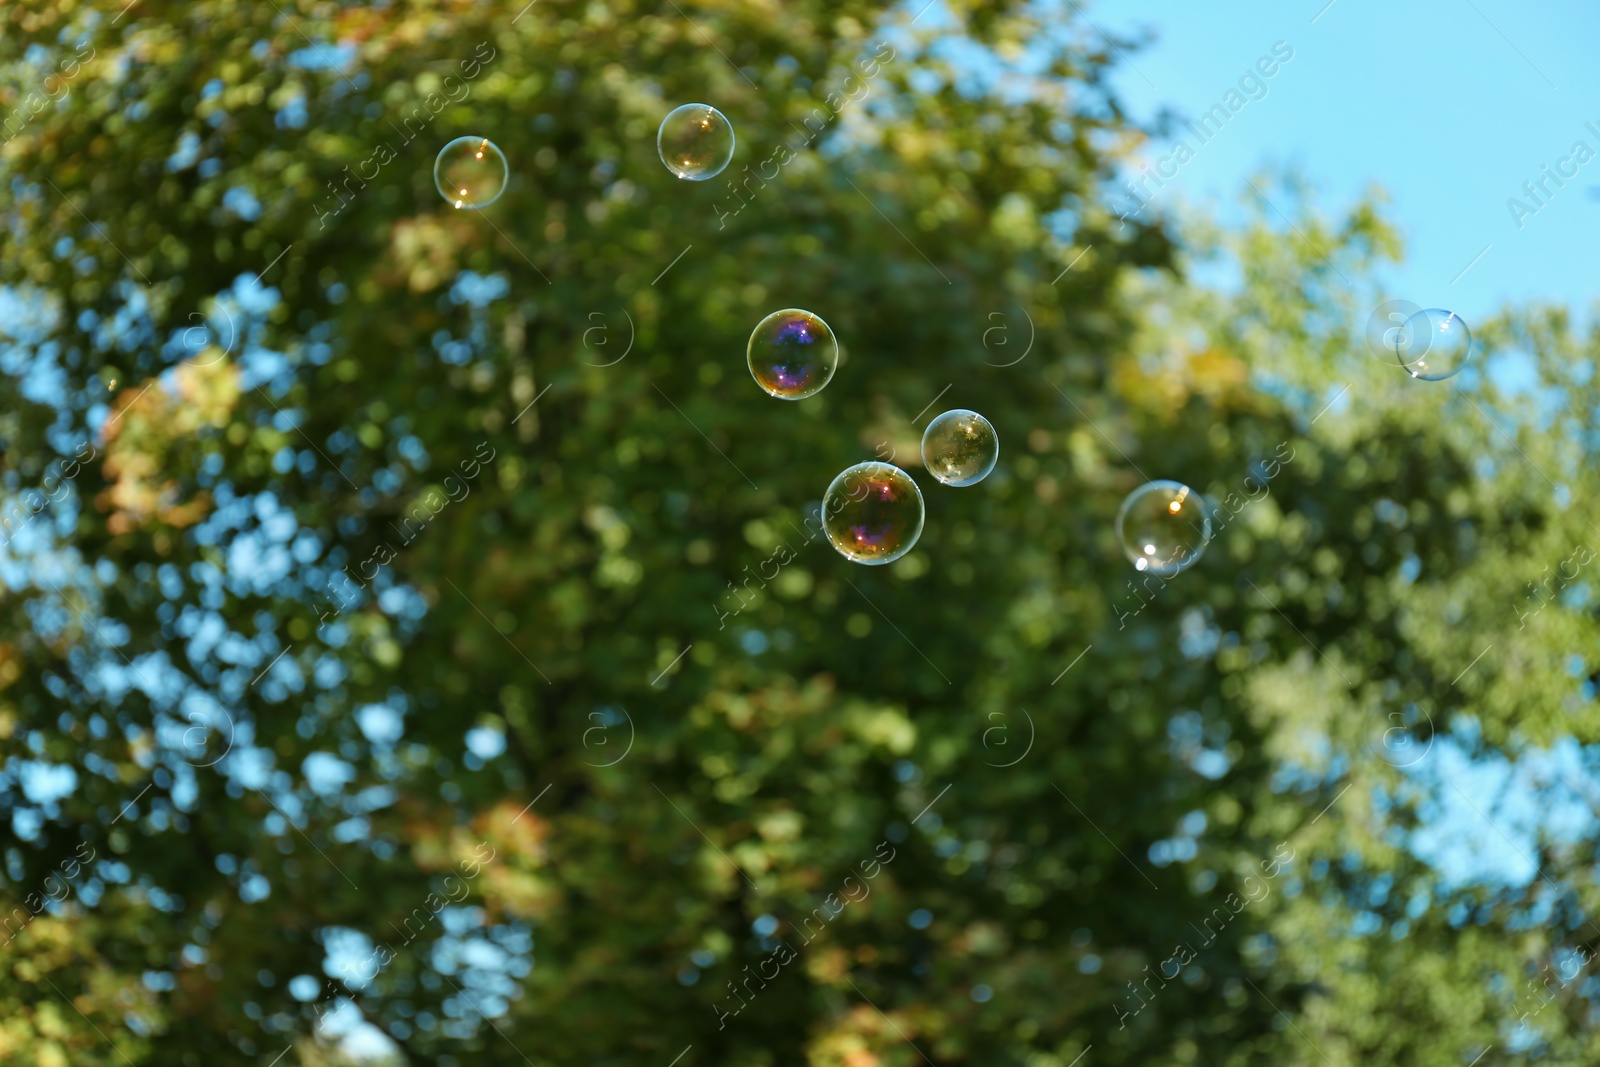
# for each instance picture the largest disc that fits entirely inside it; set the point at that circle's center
(414, 616)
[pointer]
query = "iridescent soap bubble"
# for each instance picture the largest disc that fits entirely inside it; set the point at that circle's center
(1163, 527)
(960, 447)
(792, 354)
(872, 513)
(470, 172)
(695, 141)
(1433, 345)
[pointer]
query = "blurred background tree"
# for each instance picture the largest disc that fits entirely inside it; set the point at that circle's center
(407, 656)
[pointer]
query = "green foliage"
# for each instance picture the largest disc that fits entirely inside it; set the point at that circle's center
(565, 531)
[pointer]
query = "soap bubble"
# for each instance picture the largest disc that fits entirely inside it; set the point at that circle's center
(872, 513)
(470, 172)
(792, 354)
(1163, 527)
(695, 142)
(960, 447)
(1433, 345)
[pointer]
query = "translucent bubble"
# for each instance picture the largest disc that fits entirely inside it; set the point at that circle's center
(1433, 345)
(1163, 527)
(792, 354)
(470, 172)
(960, 447)
(695, 142)
(872, 513)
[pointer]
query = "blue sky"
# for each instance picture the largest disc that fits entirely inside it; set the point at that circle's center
(1450, 105)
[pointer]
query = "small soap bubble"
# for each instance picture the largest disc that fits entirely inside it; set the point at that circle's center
(960, 447)
(470, 172)
(1433, 345)
(1163, 527)
(872, 513)
(792, 354)
(695, 142)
